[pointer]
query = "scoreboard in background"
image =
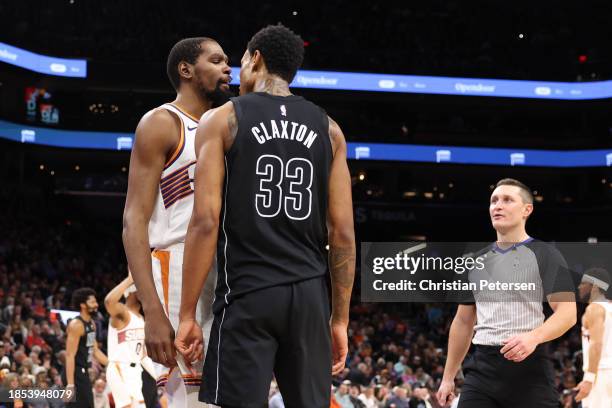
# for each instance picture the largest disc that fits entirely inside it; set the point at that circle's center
(40, 107)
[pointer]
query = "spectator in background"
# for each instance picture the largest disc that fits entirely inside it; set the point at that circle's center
(342, 395)
(100, 395)
(399, 398)
(367, 397)
(276, 399)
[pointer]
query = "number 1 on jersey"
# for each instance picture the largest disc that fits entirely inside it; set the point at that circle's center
(295, 195)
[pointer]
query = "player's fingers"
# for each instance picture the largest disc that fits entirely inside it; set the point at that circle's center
(508, 344)
(170, 354)
(199, 354)
(153, 352)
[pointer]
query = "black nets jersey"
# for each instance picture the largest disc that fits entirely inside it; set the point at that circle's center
(273, 220)
(86, 344)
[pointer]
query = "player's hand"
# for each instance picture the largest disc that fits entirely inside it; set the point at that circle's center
(584, 389)
(339, 339)
(190, 341)
(518, 348)
(446, 393)
(159, 339)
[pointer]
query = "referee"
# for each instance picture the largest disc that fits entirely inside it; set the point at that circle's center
(510, 366)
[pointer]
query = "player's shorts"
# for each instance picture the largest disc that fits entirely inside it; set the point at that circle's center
(82, 387)
(125, 382)
(281, 329)
(601, 393)
(493, 381)
(168, 278)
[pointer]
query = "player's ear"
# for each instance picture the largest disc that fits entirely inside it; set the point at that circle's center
(185, 70)
(527, 210)
(257, 61)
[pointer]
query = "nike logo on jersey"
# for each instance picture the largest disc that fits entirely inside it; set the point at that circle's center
(287, 130)
(191, 128)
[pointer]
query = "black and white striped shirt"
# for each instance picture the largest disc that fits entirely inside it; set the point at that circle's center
(503, 314)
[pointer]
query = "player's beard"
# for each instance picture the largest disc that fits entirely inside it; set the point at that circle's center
(92, 310)
(218, 96)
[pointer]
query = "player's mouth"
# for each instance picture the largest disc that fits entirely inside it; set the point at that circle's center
(498, 217)
(225, 82)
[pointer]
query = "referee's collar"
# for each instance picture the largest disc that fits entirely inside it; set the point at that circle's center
(495, 248)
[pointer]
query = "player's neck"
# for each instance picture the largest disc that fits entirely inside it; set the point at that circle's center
(273, 85)
(86, 316)
(512, 236)
(192, 103)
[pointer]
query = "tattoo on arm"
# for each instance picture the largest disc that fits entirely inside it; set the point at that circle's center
(232, 124)
(342, 270)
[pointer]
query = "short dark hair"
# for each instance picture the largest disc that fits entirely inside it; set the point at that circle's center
(526, 193)
(80, 296)
(281, 48)
(188, 50)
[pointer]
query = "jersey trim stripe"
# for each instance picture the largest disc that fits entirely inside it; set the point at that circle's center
(182, 195)
(179, 148)
(164, 260)
(165, 180)
(219, 357)
(225, 233)
(184, 112)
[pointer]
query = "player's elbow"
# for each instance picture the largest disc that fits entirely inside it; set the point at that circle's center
(341, 235)
(204, 223)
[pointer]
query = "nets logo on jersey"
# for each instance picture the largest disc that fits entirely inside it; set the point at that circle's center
(283, 110)
(130, 335)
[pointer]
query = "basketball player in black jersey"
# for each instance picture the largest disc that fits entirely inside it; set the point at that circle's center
(272, 189)
(81, 347)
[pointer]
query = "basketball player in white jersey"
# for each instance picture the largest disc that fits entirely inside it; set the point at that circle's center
(159, 205)
(595, 389)
(126, 350)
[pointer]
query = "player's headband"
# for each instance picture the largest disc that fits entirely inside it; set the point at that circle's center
(596, 281)
(130, 289)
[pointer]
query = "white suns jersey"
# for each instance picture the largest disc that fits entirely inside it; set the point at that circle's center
(127, 345)
(605, 362)
(174, 201)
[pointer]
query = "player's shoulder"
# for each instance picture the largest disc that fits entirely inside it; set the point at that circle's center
(159, 127)
(75, 326)
(595, 309)
(545, 251)
(159, 117)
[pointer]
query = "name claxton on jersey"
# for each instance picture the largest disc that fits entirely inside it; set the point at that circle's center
(283, 129)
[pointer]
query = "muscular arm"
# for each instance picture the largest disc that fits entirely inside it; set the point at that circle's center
(117, 310)
(594, 319)
(156, 136)
(212, 139)
(459, 339)
(341, 234)
(99, 355)
(74, 331)
(562, 319)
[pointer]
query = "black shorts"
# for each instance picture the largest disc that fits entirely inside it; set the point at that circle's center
(83, 388)
(282, 330)
(492, 381)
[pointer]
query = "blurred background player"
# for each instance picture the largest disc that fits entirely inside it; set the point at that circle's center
(273, 186)
(160, 201)
(82, 347)
(126, 348)
(595, 389)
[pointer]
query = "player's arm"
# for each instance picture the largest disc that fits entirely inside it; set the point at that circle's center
(154, 139)
(594, 319)
(201, 240)
(519, 347)
(74, 331)
(112, 302)
(341, 238)
(459, 339)
(99, 355)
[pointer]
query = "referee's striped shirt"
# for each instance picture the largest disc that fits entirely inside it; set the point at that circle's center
(503, 314)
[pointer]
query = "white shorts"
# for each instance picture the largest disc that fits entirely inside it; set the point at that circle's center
(168, 277)
(601, 393)
(125, 382)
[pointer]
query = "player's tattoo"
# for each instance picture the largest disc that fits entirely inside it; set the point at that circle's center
(342, 271)
(232, 124)
(334, 133)
(274, 86)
